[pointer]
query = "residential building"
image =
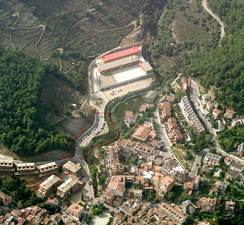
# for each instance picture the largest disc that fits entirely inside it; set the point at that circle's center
(170, 98)
(173, 213)
(230, 206)
(26, 168)
(47, 186)
(108, 198)
(52, 201)
(69, 186)
(178, 136)
(228, 160)
(7, 165)
(237, 167)
(151, 97)
(188, 207)
(6, 199)
(73, 169)
(166, 110)
(188, 185)
(196, 182)
(172, 123)
(144, 133)
(191, 116)
(221, 126)
(186, 82)
(212, 159)
(207, 204)
(205, 98)
(47, 168)
(209, 106)
(216, 113)
(144, 108)
(229, 114)
(166, 184)
(235, 121)
(232, 174)
(130, 117)
(116, 185)
(221, 187)
(138, 195)
(156, 144)
(240, 149)
(75, 210)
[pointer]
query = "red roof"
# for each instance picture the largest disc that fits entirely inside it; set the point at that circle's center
(129, 51)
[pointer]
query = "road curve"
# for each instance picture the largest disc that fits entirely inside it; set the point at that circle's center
(222, 24)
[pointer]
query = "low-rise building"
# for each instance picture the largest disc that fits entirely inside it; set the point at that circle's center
(166, 184)
(235, 121)
(151, 97)
(229, 114)
(221, 187)
(47, 169)
(73, 169)
(144, 133)
(216, 113)
(212, 159)
(6, 199)
(228, 160)
(130, 117)
(75, 210)
(47, 186)
(144, 108)
(237, 167)
(108, 198)
(170, 98)
(174, 214)
(230, 206)
(26, 168)
(209, 106)
(69, 186)
(166, 110)
(207, 204)
(188, 207)
(7, 165)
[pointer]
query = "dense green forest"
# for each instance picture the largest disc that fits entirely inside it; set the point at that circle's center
(223, 66)
(21, 127)
(231, 138)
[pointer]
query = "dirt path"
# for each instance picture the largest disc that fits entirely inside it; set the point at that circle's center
(222, 24)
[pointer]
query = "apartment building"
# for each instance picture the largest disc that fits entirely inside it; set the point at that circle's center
(166, 110)
(173, 213)
(73, 169)
(47, 169)
(69, 186)
(47, 186)
(7, 165)
(207, 204)
(26, 168)
(192, 117)
(212, 159)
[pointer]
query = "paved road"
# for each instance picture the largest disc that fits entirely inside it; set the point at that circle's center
(195, 95)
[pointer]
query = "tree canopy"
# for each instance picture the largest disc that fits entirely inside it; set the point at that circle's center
(21, 128)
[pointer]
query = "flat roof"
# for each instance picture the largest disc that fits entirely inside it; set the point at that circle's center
(122, 53)
(146, 66)
(117, 63)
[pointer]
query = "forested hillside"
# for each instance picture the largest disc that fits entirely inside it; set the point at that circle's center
(223, 67)
(21, 129)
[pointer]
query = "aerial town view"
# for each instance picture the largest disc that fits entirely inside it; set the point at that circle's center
(120, 112)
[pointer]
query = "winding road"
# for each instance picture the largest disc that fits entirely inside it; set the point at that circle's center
(221, 23)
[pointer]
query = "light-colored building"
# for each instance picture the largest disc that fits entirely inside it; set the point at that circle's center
(209, 106)
(25, 168)
(240, 149)
(47, 168)
(73, 169)
(6, 165)
(229, 114)
(75, 210)
(212, 159)
(69, 186)
(216, 113)
(237, 167)
(130, 117)
(47, 186)
(235, 121)
(172, 213)
(207, 204)
(230, 206)
(188, 207)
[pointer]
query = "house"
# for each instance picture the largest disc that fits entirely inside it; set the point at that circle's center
(235, 121)
(6, 199)
(172, 213)
(47, 169)
(108, 198)
(178, 136)
(185, 83)
(172, 123)
(221, 187)
(232, 174)
(207, 204)
(188, 185)
(221, 126)
(52, 201)
(144, 133)
(212, 159)
(151, 97)
(69, 186)
(75, 210)
(230, 206)
(196, 182)
(116, 185)
(229, 114)
(228, 160)
(130, 117)
(156, 144)
(216, 113)
(188, 207)
(47, 186)
(240, 149)
(170, 98)
(205, 98)
(144, 108)
(209, 106)
(73, 169)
